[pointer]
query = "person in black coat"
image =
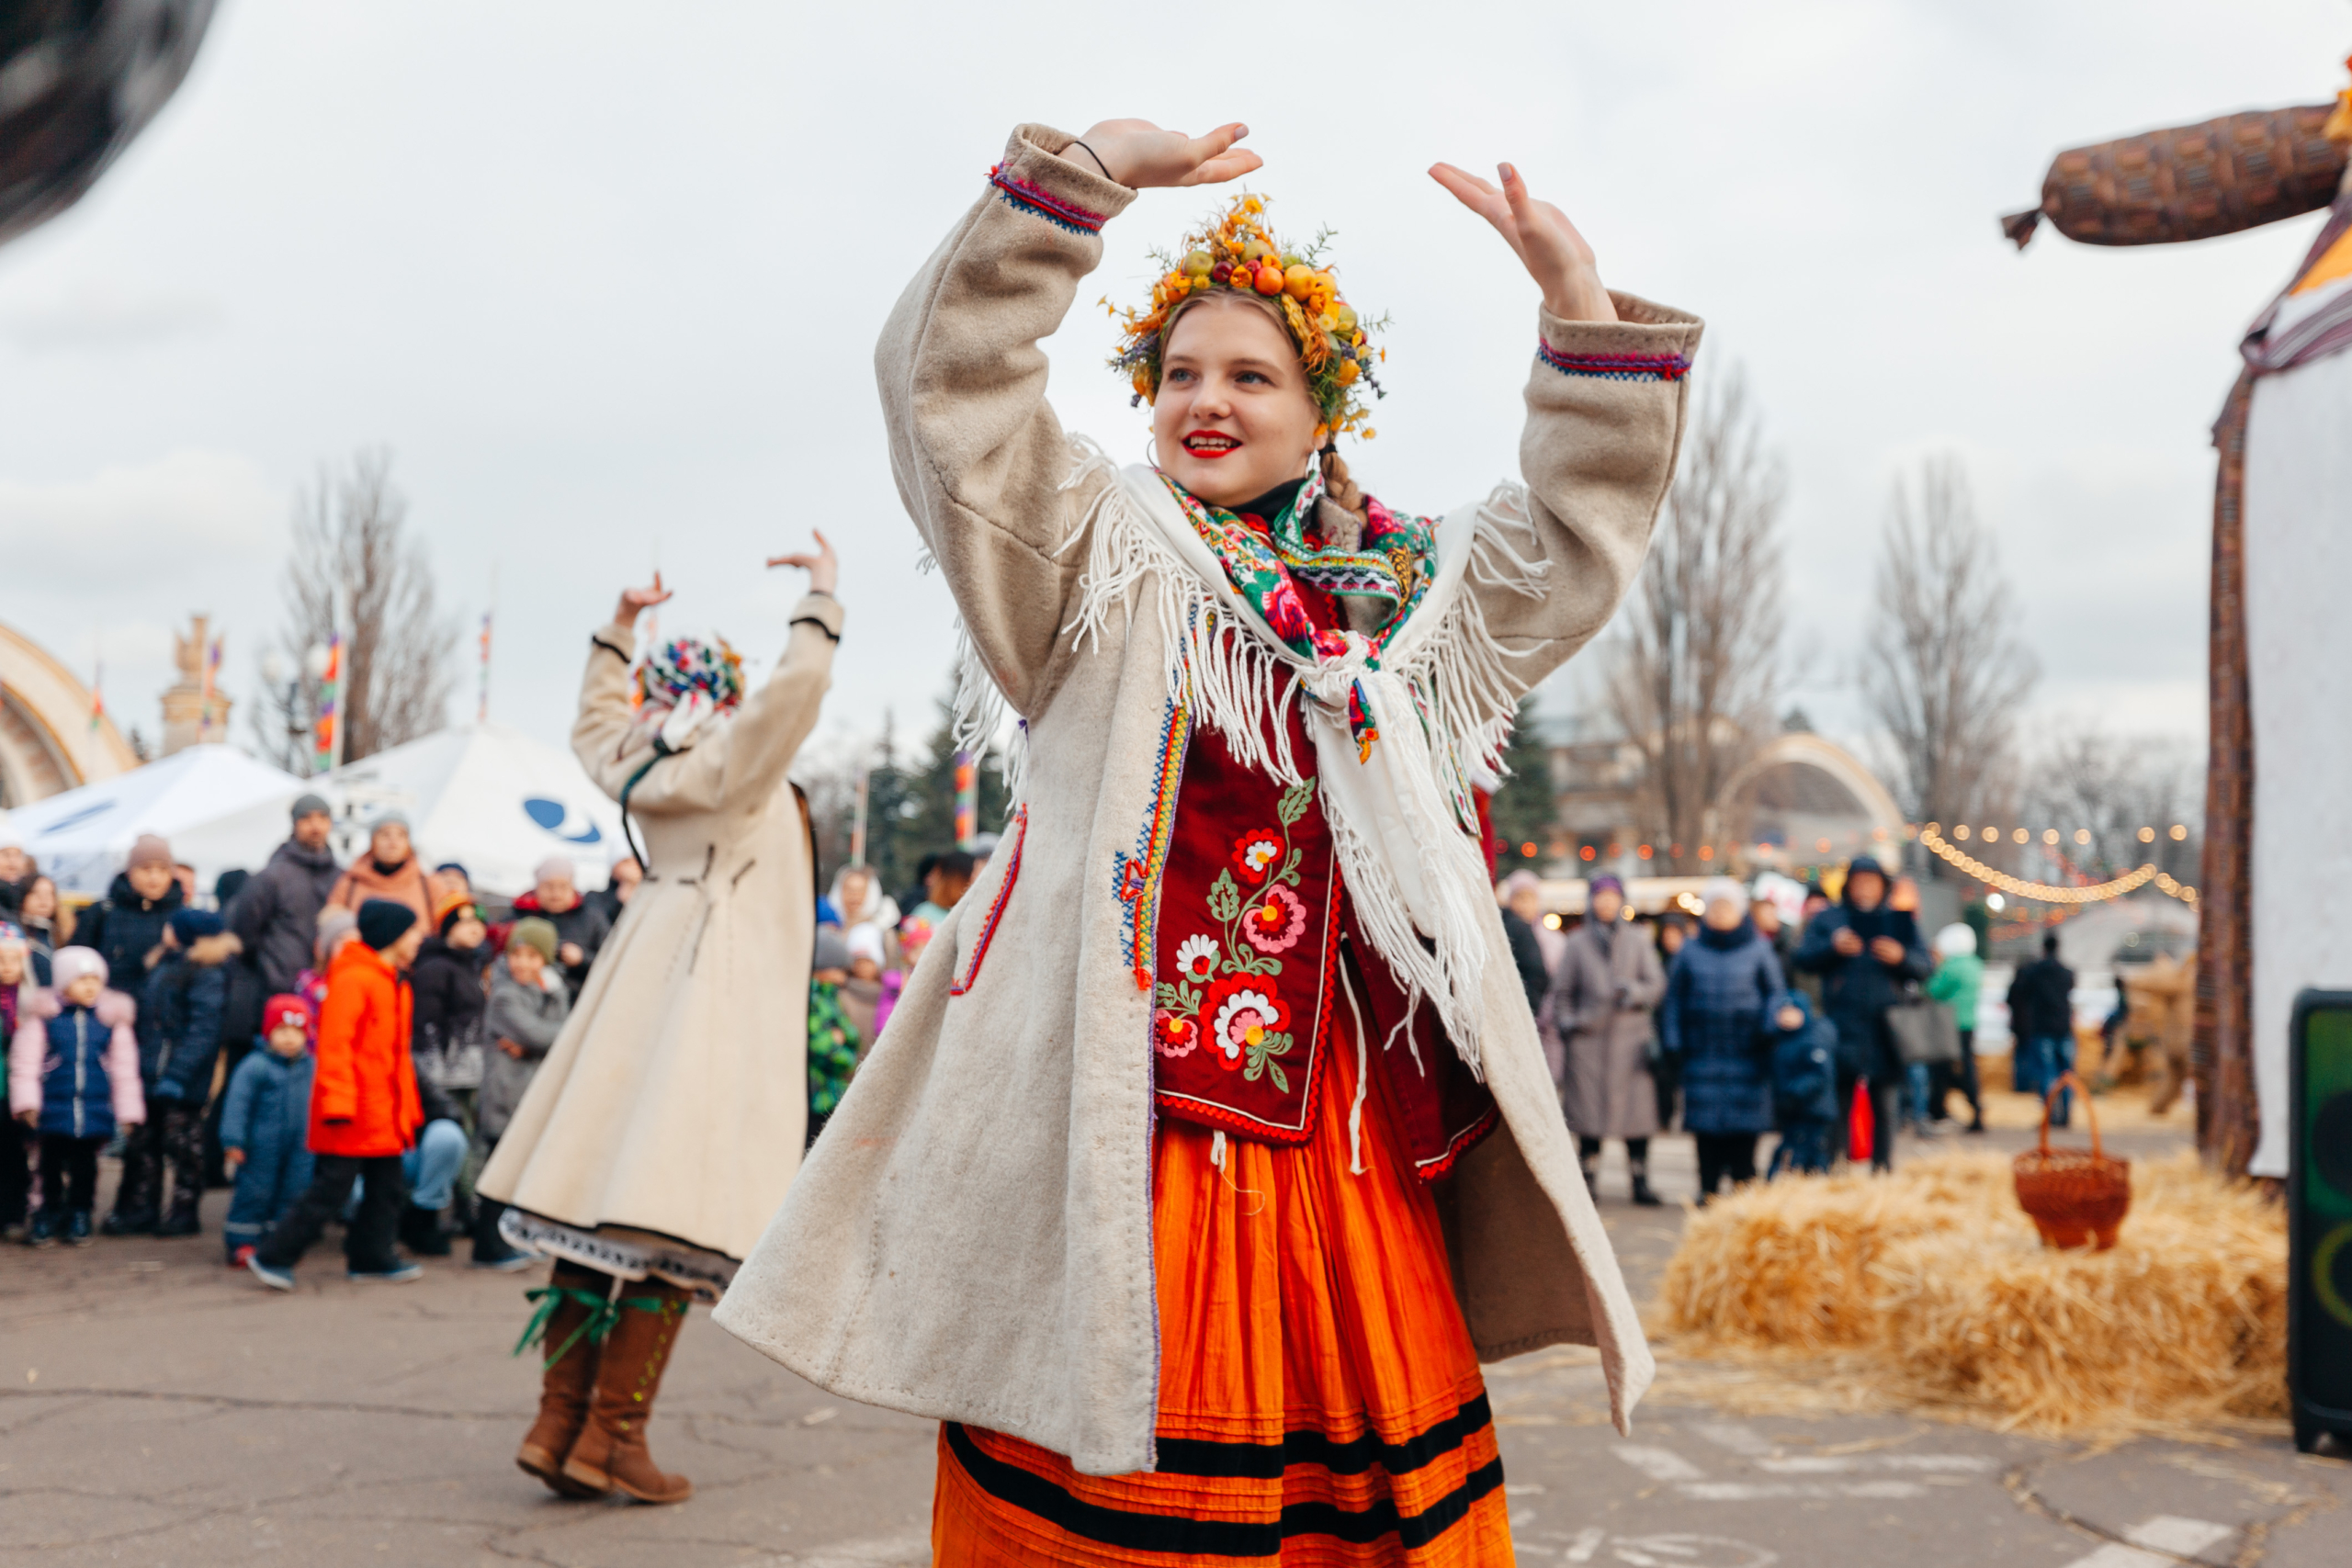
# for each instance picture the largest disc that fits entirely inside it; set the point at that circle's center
(449, 997)
(126, 927)
(179, 1042)
(275, 914)
(1523, 907)
(2042, 1027)
(1866, 954)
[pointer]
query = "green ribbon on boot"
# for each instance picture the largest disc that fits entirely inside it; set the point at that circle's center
(602, 1314)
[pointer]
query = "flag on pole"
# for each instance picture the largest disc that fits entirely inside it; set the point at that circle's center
(327, 741)
(481, 708)
(212, 680)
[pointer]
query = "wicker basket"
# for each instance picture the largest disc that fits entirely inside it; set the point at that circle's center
(2074, 1195)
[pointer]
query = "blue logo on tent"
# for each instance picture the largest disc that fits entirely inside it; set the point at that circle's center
(550, 814)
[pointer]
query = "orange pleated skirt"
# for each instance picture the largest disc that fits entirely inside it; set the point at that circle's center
(1319, 1399)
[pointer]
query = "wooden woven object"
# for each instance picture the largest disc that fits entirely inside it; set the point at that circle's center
(2074, 1195)
(2192, 181)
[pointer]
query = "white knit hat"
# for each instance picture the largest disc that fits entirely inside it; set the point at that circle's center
(1956, 940)
(1717, 889)
(70, 963)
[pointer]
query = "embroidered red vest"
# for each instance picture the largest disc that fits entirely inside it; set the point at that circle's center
(1258, 972)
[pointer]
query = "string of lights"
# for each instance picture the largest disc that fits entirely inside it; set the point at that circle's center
(2050, 893)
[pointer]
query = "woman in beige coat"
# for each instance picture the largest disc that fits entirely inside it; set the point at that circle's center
(1604, 987)
(1022, 1216)
(664, 1125)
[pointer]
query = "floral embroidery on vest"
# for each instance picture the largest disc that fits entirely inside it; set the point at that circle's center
(1259, 917)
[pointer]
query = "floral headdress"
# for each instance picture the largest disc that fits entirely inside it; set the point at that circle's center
(672, 673)
(1238, 251)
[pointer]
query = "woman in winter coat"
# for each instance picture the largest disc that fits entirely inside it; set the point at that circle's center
(390, 869)
(1232, 1004)
(1724, 1000)
(74, 1080)
(1607, 981)
(1866, 954)
(661, 1132)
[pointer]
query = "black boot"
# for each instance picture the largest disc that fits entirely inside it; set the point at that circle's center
(1642, 1193)
(129, 1222)
(421, 1234)
(491, 1249)
(181, 1220)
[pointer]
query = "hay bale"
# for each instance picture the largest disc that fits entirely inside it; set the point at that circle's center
(1933, 1285)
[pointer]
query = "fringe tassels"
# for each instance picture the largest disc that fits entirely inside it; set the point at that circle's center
(1447, 697)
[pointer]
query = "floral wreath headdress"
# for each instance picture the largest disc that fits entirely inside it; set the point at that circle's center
(1236, 252)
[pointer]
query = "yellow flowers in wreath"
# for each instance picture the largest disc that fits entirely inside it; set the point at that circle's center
(1236, 252)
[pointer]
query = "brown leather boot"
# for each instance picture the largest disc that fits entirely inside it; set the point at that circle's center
(565, 1385)
(610, 1455)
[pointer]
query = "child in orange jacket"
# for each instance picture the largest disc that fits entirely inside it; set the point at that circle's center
(365, 1111)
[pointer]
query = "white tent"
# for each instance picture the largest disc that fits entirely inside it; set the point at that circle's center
(487, 795)
(82, 837)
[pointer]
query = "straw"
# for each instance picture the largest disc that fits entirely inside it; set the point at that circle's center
(1929, 1290)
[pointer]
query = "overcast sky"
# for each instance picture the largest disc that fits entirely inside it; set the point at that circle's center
(606, 280)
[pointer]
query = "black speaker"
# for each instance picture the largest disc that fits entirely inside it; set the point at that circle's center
(2319, 1216)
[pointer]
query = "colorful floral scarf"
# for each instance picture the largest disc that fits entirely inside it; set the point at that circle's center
(1393, 566)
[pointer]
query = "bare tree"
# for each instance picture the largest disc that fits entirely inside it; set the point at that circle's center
(1943, 672)
(2110, 787)
(352, 553)
(1696, 663)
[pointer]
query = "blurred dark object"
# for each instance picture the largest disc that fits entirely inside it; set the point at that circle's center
(2189, 182)
(78, 80)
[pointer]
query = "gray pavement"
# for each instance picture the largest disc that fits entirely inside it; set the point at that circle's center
(157, 1408)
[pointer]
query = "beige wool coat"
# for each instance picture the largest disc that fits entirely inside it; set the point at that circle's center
(972, 1237)
(675, 1102)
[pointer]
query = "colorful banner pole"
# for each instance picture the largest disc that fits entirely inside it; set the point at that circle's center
(967, 799)
(327, 739)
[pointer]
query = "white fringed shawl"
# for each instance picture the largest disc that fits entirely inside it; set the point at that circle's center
(1442, 695)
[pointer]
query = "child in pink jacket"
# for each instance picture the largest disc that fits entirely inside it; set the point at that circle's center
(74, 1079)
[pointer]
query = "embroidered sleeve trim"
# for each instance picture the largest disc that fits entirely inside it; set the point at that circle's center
(1035, 199)
(608, 647)
(816, 622)
(1615, 366)
(996, 908)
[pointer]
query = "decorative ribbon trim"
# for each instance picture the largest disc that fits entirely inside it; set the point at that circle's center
(597, 1327)
(971, 974)
(1615, 366)
(1035, 199)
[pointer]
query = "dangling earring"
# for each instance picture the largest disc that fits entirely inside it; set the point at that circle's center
(1151, 449)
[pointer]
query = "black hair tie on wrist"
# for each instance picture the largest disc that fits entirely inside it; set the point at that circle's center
(1098, 162)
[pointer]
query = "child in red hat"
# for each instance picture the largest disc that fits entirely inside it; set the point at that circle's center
(264, 1125)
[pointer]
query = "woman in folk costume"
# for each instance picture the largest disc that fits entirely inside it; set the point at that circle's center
(1211, 1148)
(665, 1124)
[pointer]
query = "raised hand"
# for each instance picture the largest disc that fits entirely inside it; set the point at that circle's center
(824, 568)
(1548, 245)
(1141, 157)
(634, 600)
